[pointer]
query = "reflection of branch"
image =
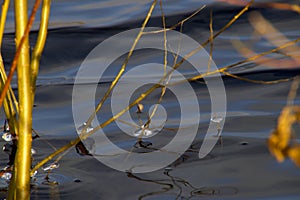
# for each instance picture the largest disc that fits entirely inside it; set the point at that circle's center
(277, 63)
(214, 191)
(274, 5)
(167, 186)
(173, 183)
(249, 59)
(267, 30)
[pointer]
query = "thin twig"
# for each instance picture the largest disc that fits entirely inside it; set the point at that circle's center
(123, 67)
(256, 81)
(293, 91)
(211, 41)
(176, 25)
(85, 134)
(252, 58)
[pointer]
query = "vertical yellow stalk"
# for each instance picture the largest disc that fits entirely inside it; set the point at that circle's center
(23, 156)
(5, 7)
(40, 43)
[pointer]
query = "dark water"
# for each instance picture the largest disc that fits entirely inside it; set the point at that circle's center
(240, 165)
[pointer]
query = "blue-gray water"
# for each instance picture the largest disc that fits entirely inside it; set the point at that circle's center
(240, 165)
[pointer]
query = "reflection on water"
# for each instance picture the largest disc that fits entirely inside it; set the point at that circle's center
(178, 188)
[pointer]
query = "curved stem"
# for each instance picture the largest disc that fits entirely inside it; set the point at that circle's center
(40, 43)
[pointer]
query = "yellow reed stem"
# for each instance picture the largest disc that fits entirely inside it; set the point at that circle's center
(5, 6)
(40, 43)
(23, 155)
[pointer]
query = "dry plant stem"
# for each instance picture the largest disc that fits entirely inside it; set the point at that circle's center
(84, 135)
(256, 81)
(10, 103)
(5, 7)
(88, 123)
(245, 9)
(163, 89)
(178, 24)
(293, 91)
(165, 38)
(21, 42)
(208, 40)
(40, 43)
(10, 100)
(252, 58)
(118, 76)
(211, 41)
(282, 142)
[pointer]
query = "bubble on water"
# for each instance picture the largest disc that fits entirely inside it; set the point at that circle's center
(7, 148)
(6, 176)
(51, 166)
(88, 129)
(7, 136)
(33, 151)
(216, 119)
(140, 108)
(144, 132)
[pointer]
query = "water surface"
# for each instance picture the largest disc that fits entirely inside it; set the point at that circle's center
(240, 165)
